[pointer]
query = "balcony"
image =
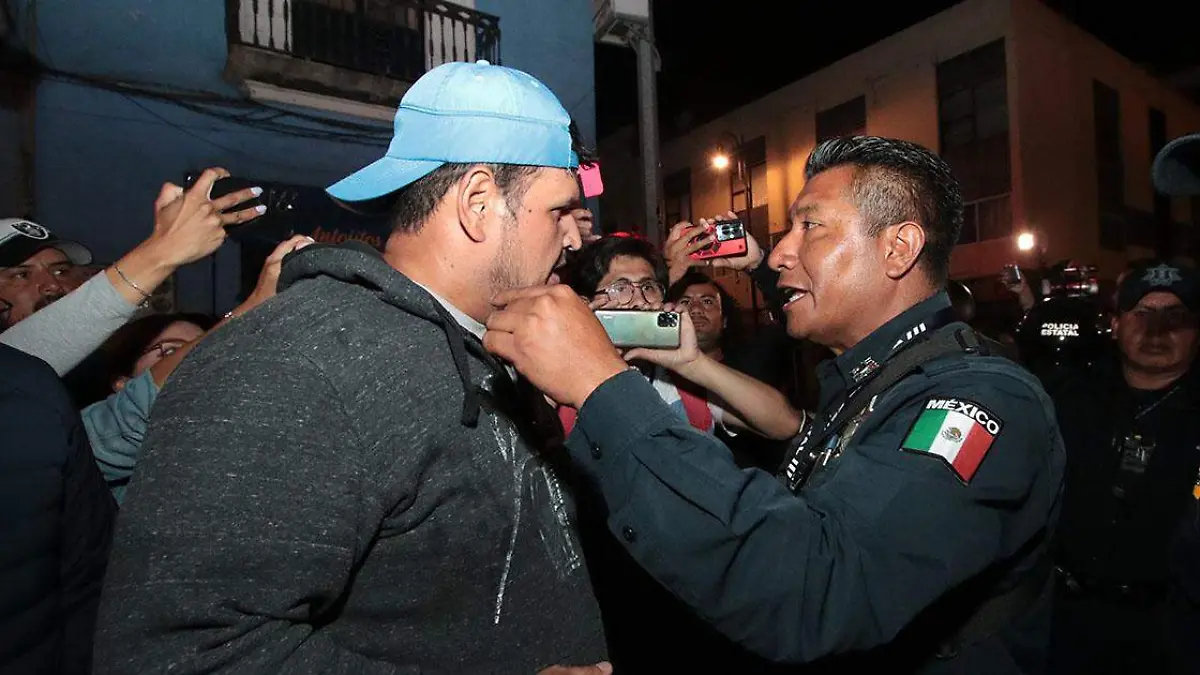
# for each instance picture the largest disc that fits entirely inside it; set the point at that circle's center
(365, 50)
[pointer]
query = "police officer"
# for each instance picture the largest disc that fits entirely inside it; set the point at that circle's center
(1128, 549)
(910, 530)
(1131, 424)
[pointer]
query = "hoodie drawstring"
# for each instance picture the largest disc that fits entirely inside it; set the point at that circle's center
(458, 352)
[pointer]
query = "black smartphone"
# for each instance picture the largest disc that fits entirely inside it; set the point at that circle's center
(226, 186)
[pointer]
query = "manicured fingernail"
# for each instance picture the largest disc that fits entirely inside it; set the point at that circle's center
(256, 191)
(260, 209)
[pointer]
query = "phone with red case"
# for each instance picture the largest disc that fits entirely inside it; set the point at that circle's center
(729, 240)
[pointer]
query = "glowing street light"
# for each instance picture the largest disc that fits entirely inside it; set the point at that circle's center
(720, 161)
(1026, 241)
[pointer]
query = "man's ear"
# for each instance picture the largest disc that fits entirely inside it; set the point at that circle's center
(476, 193)
(902, 245)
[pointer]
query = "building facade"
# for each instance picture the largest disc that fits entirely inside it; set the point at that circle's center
(1050, 132)
(292, 94)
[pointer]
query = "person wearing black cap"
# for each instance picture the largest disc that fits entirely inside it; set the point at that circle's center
(1131, 425)
(43, 314)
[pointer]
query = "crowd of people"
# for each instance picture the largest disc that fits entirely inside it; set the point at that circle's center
(433, 458)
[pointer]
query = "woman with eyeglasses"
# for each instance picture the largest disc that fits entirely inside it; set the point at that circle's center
(140, 344)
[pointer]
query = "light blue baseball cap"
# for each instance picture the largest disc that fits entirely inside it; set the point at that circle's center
(466, 113)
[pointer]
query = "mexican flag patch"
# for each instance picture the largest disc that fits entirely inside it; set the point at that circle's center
(958, 431)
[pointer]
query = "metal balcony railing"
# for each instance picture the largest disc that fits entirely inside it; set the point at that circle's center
(399, 39)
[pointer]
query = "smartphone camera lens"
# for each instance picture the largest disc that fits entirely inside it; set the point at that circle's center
(667, 320)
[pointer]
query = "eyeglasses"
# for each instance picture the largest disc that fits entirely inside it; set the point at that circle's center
(622, 292)
(164, 349)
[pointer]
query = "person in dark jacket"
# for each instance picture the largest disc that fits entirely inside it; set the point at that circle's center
(56, 519)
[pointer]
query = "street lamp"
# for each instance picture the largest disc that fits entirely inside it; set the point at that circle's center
(1030, 242)
(1026, 241)
(721, 160)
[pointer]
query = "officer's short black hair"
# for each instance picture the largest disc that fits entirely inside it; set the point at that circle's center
(590, 265)
(897, 181)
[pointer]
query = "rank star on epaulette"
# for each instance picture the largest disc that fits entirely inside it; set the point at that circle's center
(958, 431)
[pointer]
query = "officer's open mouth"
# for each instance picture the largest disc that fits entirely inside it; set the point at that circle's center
(791, 295)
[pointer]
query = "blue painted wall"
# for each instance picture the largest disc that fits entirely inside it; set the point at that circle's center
(102, 155)
(552, 40)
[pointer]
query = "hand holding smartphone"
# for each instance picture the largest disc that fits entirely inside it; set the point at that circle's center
(630, 328)
(729, 240)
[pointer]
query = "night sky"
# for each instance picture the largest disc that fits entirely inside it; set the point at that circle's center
(710, 63)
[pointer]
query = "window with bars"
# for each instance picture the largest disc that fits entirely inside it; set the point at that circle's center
(973, 133)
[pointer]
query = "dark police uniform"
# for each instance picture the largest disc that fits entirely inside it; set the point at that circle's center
(942, 497)
(1130, 483)
(1183, 607)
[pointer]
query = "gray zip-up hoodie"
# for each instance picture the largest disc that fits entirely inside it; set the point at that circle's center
(335, 483)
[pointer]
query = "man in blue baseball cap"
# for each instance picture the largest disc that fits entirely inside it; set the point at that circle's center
(344, 480)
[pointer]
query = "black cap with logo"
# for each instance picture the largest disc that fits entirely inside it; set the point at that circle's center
(22, 239)
(1158, 276)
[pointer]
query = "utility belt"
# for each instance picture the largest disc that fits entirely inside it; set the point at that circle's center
(1140, 594)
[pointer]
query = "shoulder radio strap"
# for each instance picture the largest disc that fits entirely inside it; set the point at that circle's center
(803, 457)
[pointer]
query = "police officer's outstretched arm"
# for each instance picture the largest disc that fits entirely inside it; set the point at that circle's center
(886, 531)
(847, 565)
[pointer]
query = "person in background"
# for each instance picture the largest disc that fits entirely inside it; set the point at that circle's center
(56, 521)
(764, 356)
(766, 353)
(36, 269)
(1131, 424)
(140, 344)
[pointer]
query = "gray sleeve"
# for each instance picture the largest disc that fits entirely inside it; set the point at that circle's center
(116, 428)
(66, 332)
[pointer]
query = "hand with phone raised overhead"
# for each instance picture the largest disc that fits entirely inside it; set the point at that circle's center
(188, 226)
(686, 244)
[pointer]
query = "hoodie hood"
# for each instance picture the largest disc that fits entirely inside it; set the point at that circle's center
(357, 263)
